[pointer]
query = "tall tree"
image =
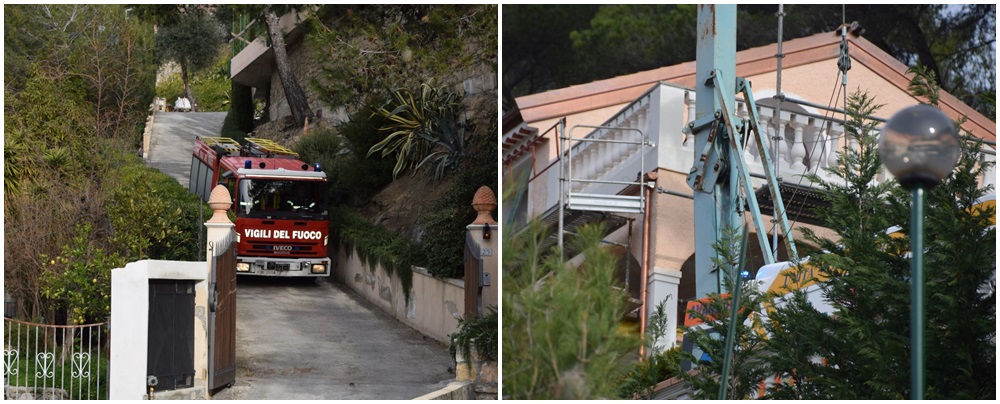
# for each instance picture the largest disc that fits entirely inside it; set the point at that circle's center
(296, 98)
(270, 17)
(861, 349)
(956, 42)
(191, 39)
(538, 53)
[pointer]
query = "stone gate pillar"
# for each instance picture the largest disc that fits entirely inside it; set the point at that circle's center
(481, 246)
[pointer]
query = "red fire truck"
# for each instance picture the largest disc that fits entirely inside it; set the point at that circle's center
(280, 204)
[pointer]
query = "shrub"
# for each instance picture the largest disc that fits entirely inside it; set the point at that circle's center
(342, 151)
(376, 245)
(445, 225)
(479, 332)
(151, 214)
(80, 278)
(422, 128)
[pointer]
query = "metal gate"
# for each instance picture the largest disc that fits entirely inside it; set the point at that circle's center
(170, 353)
(55, 362)
(222, 316)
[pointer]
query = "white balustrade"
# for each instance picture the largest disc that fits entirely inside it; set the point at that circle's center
(836, 130)
(797, 149)
(990, 175)
(798, 143)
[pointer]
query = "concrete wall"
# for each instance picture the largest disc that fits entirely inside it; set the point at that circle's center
(434, 304)
(130, 325)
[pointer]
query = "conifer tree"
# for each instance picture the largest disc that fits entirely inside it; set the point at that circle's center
(561, 336)
(747, 367)
(862, 349)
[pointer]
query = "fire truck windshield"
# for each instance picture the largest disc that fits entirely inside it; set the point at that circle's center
(282, 199)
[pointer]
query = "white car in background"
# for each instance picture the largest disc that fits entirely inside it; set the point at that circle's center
(182, 105)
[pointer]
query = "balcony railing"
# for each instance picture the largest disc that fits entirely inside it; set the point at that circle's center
(807, 142)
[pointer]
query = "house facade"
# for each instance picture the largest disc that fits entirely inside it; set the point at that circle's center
(603, 137)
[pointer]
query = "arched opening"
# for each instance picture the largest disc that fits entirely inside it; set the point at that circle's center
(754, 260)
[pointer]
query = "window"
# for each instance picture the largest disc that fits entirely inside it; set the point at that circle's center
(282, 199)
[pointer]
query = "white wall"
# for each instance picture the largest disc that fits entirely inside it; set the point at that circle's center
(433, 304)
(130, 322)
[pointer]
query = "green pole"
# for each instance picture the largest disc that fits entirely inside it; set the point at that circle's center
(730, 336)
(917, 294)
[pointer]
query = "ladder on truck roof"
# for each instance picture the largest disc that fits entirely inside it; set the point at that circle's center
(258, 147)
(226, 144)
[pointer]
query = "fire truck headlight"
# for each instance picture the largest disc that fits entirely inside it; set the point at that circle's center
(242, 267)
(319, 268)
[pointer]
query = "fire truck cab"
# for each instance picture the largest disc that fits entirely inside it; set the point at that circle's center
(279, 202)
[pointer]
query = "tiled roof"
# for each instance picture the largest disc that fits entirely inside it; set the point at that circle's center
(749, 62)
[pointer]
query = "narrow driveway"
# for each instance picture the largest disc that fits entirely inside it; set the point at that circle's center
(172, 140)
(307, 340)
(319, 341)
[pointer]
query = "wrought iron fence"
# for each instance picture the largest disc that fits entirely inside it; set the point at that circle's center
(55, 362)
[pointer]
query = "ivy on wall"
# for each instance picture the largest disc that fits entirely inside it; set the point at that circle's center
(376, 245)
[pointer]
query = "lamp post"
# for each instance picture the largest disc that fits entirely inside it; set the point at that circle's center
(919, 146)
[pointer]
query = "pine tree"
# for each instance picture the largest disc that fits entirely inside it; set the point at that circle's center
(862, 349)
(747, 367)
(562, 336)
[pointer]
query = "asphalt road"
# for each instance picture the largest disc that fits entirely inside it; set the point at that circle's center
(172, 140)
(318, 340)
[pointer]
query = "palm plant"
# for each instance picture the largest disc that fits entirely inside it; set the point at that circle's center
(423, 128)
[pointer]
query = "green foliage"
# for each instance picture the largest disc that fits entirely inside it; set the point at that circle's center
(230, 128)
(537, 45)
(376, 245)
(640, 378)
(924, 84)
(212, 82)
(444, 241)
(748, 365)
(954, 41)
(192, 40)
(561, 334)
(861, 350)
(609, 47)
(444, 237)
(422, 128)
(152, 215)
(79, 79)
(19, 163)
(84, 386)
(80, 278)
(867, 286)
(343, 151)
(480, 332)
(380, 47)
